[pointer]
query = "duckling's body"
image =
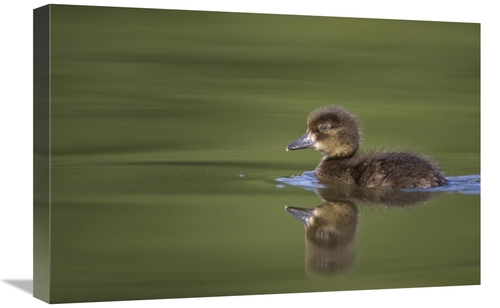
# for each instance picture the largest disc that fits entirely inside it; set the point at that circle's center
(383, 170)
(334, 132)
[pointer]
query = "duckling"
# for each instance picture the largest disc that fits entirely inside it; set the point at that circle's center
(335, 133)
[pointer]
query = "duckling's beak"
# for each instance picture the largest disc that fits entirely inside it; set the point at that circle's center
(304, 142)
(302, 215)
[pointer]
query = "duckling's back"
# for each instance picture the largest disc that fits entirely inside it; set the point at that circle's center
(383, 170)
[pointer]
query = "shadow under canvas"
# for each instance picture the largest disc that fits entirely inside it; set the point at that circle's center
(25, 285)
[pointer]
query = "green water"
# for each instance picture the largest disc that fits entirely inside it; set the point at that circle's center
(168, 130)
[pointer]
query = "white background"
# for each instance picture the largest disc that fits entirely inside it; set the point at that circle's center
(16, 151)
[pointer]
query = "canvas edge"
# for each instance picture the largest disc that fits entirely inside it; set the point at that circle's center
(41, 153)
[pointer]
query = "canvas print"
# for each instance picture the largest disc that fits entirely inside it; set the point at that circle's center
(195, 154)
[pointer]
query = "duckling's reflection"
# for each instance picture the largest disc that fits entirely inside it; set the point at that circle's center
(330, 231)
(331, 226)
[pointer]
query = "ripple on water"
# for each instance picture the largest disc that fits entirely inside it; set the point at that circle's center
(306, 180)
(465, 184)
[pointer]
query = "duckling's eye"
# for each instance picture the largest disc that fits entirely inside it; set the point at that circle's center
(324, 127)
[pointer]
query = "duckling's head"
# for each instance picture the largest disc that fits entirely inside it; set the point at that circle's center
(332, 131)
